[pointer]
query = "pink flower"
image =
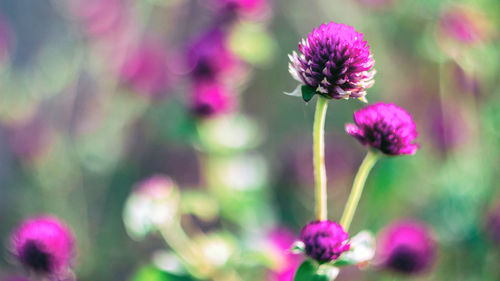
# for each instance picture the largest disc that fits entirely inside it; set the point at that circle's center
(280, 241)
(385, 127)
(406, 246)
(464, 24)
(335, 61)
(211, 99)
(324, 240)
(45, 245)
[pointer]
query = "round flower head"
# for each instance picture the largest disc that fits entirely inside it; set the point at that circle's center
(385, 127)
(44, 245)
(324, 240)
(335, 61)
(210, 99)
(406, 247)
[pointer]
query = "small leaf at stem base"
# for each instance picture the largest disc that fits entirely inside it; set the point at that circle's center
(307, 93)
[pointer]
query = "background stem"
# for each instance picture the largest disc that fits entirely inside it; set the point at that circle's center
(319, 158)
(357, 189)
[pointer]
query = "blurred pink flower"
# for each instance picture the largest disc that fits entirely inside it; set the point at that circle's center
(145, 69)
(280, 241)
(156, 186)
(406, 246)
(209, 56)
(245, 6)
(211, 99)
(464, 24)
(45, 245)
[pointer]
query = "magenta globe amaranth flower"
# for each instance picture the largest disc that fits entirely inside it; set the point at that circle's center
(335, 61)
(406, 247)
(324, 240)
(385, 127)
(210, 99)
(44, 244)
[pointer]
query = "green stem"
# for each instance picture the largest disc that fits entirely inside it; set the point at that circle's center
(319, 157)
(357, 189)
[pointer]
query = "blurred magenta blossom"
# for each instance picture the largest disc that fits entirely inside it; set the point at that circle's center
(209, 56)
(211, 99)
(406, 246)
(280, 241)
(464, 24)
(45, 245)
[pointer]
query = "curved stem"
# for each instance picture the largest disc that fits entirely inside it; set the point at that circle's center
(319, 158)
(357, 189)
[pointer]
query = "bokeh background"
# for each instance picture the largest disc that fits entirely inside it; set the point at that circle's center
(96, 96)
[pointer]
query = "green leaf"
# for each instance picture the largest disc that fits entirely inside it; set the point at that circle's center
(306, 271)
(307, 93)
(326, 272)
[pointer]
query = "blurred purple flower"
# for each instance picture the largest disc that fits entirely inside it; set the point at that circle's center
(324, 240)
(145, 69)
(45, 245)
(210, 99)
(464, 24)
(244, 6)
(406, 246)
(335, 61)
(281, 241)
(209, 56)
(385, 127)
